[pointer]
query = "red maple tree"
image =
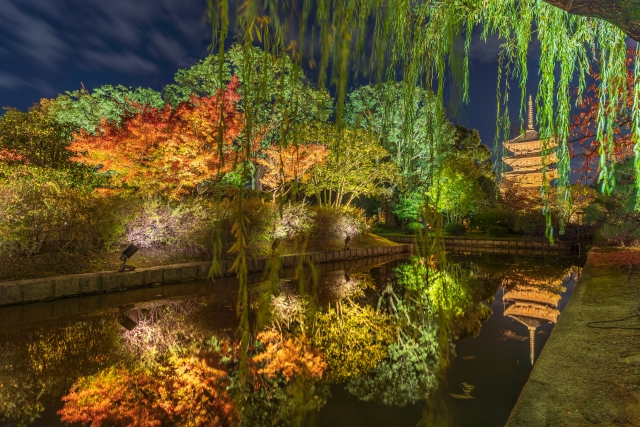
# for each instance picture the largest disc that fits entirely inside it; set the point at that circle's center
(166, 151)
(585, 144)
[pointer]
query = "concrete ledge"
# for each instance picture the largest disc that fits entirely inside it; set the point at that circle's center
(50, 288)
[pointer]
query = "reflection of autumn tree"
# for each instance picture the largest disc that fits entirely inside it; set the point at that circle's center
(288, 357)
(353, 338)
(37, 366)
(286, 378)
(185, 392)
(176, 377)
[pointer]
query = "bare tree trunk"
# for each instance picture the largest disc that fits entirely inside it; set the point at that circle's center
(389, 217)
(258, 175)
(624, 14)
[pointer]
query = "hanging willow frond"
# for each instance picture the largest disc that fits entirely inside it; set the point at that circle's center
(414, 41)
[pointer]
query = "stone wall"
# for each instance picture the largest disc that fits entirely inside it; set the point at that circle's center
(50, 288)
(26, 315)
(521, 247)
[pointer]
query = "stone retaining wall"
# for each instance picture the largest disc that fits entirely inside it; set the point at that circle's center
(26, 315)
(49, 288)
(524, 247)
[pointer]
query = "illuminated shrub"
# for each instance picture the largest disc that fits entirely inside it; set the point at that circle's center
(297, 219)
(158, 222)
(262, 218)
(455, 229)
(40, 211)
(412, 227)
(288, 357)
(496, 231)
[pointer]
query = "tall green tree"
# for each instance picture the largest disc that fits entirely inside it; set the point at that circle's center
(35, 137)
(284, 96)
(357, 165)
(400, 116)
(83, 110)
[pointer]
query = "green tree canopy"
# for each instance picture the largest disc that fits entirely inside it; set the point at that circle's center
(402, 118)
(35, 137)
(83, 110)
(357, 165)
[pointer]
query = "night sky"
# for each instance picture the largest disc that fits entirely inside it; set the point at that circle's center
(49, 47)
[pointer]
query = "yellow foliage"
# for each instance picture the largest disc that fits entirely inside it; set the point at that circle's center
(354, 341)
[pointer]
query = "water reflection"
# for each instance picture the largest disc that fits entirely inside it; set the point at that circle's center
(379, 337)
(533, 300)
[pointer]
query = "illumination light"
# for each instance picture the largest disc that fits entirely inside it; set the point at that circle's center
(126, 254)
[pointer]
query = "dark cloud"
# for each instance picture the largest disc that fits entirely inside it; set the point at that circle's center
(47, 43)
(126, 62)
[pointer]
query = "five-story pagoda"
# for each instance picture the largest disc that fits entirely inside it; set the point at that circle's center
(526, 157)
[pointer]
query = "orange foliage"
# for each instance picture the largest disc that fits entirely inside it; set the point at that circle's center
(289, 164)
(190, 393)
(168, 151)
(12, 156)
(585, 144)
(289, 358)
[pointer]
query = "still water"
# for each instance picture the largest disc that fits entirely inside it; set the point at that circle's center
(367, 345)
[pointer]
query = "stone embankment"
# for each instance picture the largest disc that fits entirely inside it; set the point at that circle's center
(225, 288)
(50, 288)
(515, 247)
(588, 373)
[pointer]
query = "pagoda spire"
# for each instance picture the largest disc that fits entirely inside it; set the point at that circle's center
(530, 124)
(532, 344)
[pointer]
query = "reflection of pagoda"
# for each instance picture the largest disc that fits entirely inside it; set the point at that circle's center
(526, 160)
(532, 307)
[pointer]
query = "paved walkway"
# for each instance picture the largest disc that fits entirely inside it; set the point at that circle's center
(587, 376)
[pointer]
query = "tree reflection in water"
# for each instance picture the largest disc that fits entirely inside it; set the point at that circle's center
(384, 334)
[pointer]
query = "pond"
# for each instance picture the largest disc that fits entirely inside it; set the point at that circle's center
(365, 344)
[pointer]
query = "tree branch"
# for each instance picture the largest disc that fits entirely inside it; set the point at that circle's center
(623, 14)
